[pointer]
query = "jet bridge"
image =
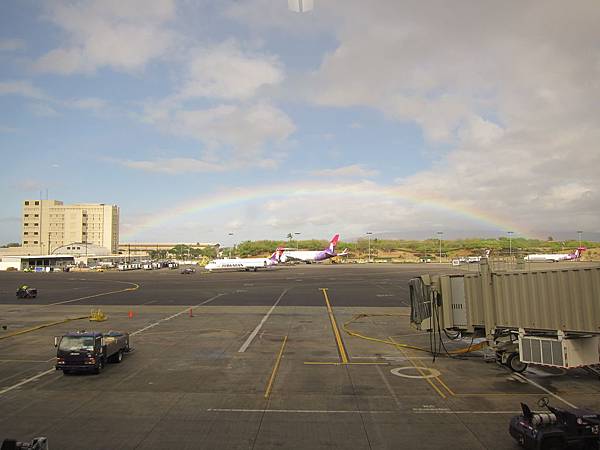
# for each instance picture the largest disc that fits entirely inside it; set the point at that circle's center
(549, 317)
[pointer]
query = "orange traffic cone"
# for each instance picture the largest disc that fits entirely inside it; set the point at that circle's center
(130, 314)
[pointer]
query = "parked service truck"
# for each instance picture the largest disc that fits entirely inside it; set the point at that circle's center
(90, 350)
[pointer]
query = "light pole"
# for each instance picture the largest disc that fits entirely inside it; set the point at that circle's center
(369, 233)
(510, 233)
(230, 234)
(440, 234)
(297, 243)
(579, 233)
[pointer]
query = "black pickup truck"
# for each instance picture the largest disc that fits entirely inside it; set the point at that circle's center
(90, 350)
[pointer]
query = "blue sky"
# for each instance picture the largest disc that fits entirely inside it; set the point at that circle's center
(463, 119)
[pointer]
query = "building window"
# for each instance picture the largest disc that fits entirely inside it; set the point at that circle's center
(35, 224)
(25, 242)
(35, 242)
(26, 233)
(36, 215)
(37, 203)
(26, 224)
(27, 203)
(26, 215)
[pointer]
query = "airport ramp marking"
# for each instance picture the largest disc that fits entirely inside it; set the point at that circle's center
(26, 380)
(336, 330)
(246, 344)
(547, 391)
(141, 330)
(134, 287)
(275, 369)
(186, 310)
(420, 370)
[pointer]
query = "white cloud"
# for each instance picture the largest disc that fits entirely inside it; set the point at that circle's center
(174, 165)
(235, 136)
(43, 110)
(21, 88)
(11, 45)
(351, 171)
(225, 72)
(124, 36)
(513, 103)
(88, 103)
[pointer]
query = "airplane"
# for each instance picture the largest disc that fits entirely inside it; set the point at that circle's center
(555, 257)
(246, 264)
(310, 256)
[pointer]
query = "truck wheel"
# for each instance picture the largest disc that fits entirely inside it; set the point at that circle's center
(98, 369)
(118, 357)
(515, 364)
(66, 372)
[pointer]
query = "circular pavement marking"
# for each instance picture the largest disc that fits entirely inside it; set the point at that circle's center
(433, 373)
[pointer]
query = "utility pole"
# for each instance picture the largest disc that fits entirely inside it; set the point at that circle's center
(510, 233)
(369, 233)
(580, 233)
(230, 234)
(298, 244)
(440, 234)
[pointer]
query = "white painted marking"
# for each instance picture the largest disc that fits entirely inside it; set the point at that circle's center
(141, 330)
(246, 344)
(433, 373)
(298, 411)
(449, 411)
(27, 380)
(539, 386)
(389, 386)
(175, 315)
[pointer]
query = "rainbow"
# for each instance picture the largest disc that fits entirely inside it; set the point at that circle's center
(239, 196)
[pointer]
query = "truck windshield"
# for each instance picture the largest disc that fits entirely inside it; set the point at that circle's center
(69, 343)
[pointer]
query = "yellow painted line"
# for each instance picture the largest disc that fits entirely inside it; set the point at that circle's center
(336, 331)
(39, 327)
(420, 370)
(275, 368)
(439, 379)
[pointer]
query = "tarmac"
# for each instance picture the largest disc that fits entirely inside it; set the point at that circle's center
(256, 360)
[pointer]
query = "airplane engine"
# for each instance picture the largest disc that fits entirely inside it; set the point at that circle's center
(283, 258)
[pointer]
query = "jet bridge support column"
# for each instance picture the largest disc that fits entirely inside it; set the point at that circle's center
(487, 300)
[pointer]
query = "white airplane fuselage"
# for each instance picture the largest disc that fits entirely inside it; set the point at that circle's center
(549, 257)
(239, 264)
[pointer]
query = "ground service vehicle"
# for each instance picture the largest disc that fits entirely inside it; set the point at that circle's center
(39, 443)
(26, 292)
(557, 429)
(90, 350)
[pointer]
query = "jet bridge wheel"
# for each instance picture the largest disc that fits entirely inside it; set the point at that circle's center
(515, 364)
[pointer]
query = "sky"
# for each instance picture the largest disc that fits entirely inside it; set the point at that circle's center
(204, 118)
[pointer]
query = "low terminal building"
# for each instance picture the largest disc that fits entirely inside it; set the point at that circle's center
(37, 263)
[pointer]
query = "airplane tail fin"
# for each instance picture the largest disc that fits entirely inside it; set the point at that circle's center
(333, 243)
(276, 256)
